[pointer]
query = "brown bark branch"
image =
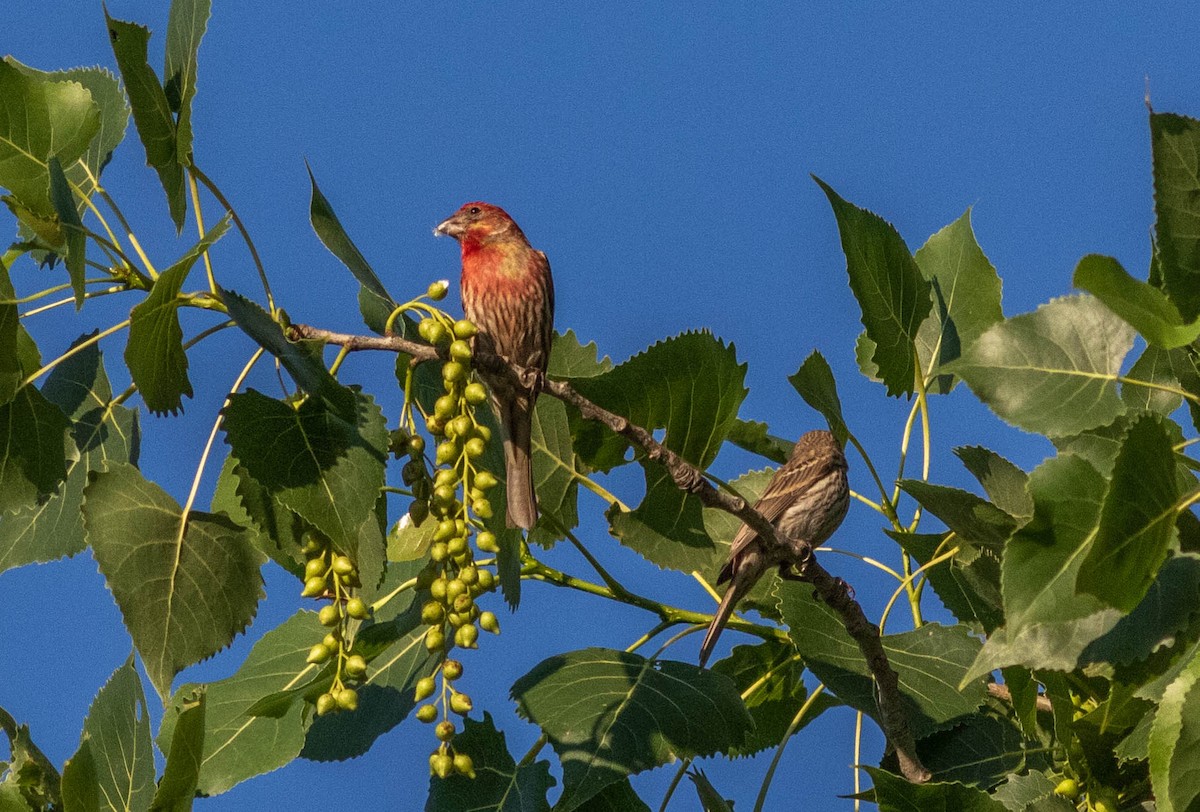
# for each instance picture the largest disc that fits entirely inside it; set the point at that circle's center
(833, 591)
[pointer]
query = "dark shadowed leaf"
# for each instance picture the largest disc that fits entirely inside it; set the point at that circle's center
(930, 662)
(1053, 371)
(972, 518)
(10, 327)
(1147, 384)
(276, 530)
(185, 584)
(610, 714)
(895, 794)
(34, 441)
(102, 431)
(329, 230)
(1175, 143)
(774, 671)
(892, 293)
(968, 584)
(75, 240)
(499, 784)
(327, 470)
(1137, 520)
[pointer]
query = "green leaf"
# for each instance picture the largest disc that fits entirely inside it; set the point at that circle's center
(10, 329)
(980, 750)
(1175, 143)
(76, 239)
(120, 750)
(1143, 386)
(1047, 624)
(277, 531)
(1137, 521)
(114, 119)
(557, 469)
(40, 120)
(892, 293)
(815, 383)
(1004, 483)
(33, 449)
(775, 673)
(896, 794)
(326, 469)
(968, 584)
(152, 114)
(186, 584)
(610, 714)
(177, 789)
(972, 518)
(966, 291)
(1185, 365)
(32, 779)
(154, 352)
(1175, 743)
(102, 431)
(1053, 371)
(185, 28)
(238, 746)
(616, 797)
(307, 370)
(929, 661)
(691, 386)
(1142, 305)
(754, 437)
(1019, 791)
(499, 784)
(329, 229)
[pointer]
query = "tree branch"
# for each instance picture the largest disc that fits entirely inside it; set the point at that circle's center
(833, 591)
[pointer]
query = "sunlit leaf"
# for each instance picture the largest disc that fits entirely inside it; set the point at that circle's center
(185, 28)
(1175, 143)
(1142, 305)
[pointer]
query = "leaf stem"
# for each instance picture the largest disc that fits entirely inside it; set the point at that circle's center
(215, 191)
(195, 192)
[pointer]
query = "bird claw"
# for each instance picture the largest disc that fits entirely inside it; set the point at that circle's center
(532, 379)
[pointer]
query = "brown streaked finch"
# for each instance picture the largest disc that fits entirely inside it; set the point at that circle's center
(509, 295)
(806, 500)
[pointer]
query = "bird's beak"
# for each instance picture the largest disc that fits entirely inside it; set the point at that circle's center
(451, 228)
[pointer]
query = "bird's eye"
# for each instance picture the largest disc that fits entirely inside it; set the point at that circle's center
(473, 210)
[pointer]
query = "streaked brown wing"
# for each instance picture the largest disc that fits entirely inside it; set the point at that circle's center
(782, 491)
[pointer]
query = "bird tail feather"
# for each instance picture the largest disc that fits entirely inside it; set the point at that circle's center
(518, 463)
(747, 574)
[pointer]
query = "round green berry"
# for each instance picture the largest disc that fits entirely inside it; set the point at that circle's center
(435, 639)
(347, 699)
(465, 636)
(486, 581)
(486, 541)
(437, 290)
(482, 508)
(315, 568)
(463, 765)
(474, 447)
(454, 372)
(427, 713)
(442, 765)
(464, 328)
(445, 406)
(460, 350)
(356, 666)
(326, 704)
(342, 565)
(460, 704)
(416, 445)
(329, 615)
(485, 480)
(488, 622)
(313, 587)
(424, 689)
(357, 609)
(452, 669)
(475, 393)
(432, 613)
(318, 654)
(445, 730)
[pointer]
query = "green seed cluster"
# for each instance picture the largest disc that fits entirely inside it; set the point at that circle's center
(453, 492)
(329, 574)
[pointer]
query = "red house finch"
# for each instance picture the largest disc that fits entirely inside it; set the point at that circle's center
(807, 500)
(509, 295)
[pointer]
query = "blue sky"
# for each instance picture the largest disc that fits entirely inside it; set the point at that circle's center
(661, 158)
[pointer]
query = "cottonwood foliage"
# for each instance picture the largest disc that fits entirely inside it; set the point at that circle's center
(1070, 680)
